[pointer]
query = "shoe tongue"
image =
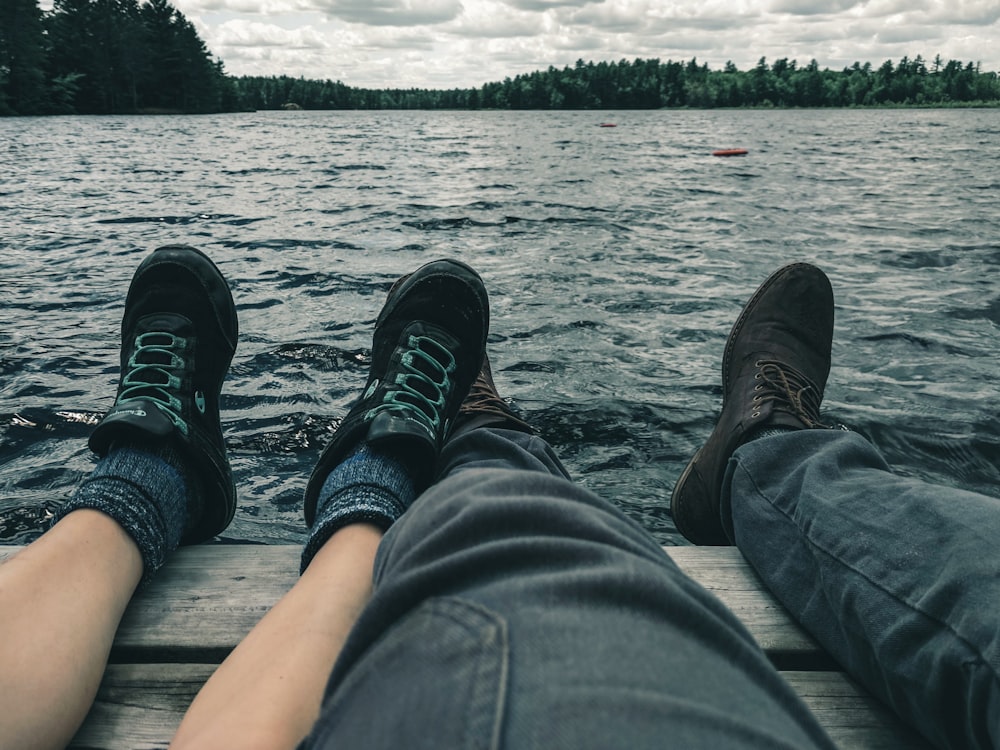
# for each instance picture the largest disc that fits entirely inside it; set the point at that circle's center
(166, 322)
(422, 328)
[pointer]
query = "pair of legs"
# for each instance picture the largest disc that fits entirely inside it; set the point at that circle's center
(164, 479)
(513, 608)
(62, 597)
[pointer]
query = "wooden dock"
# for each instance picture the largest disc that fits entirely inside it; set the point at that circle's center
(208, 597)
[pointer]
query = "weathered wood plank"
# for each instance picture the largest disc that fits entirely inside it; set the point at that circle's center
(851, 716)
(139, 706)
(207, 598)
(204, 602)
(724, 572)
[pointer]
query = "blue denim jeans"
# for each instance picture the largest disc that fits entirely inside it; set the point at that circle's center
(897, 578)
(513, 608)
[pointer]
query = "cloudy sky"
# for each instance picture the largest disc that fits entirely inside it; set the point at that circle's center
(449, 43)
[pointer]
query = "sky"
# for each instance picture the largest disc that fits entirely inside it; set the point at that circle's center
(466, 43)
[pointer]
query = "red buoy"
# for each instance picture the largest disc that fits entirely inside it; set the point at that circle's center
(730, 152)
(607, 125)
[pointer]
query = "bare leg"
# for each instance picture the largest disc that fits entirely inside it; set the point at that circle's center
(426, 356)
(267, 693)
(163, 479)
(61, 599)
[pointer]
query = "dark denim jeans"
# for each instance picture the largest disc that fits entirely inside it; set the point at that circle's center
(515, 609)
(898, 579)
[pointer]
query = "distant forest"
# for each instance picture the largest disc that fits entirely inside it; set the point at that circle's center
(127, 56)
(652, 84)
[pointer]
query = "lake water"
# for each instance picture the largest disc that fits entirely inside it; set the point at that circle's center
(616, 259)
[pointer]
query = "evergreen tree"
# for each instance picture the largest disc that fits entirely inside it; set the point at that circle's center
(119, 56)
(70, 28)
(22, 58)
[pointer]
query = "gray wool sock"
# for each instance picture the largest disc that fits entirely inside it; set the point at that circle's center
(145, 492)
(368, 486)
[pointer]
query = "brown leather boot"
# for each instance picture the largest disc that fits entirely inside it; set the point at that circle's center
(774, 370)
(483, 407)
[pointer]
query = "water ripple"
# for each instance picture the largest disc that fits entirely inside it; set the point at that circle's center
(616, 262)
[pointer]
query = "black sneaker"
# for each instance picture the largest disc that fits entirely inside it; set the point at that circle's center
(483, 407)
(429, 343)
(774, 370)
(178, 337)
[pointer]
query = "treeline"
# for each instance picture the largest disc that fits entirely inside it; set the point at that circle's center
(105, 56)
(651, 84)
(123, 56)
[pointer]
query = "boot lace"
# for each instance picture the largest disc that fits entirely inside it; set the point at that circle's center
(790, 391)
(483, 399)
(421, 388)
(156, 372)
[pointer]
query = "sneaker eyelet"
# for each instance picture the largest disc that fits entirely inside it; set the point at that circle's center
(758, 363)
(755, 414)
(756, 399)
(758, 387)
(757, 377)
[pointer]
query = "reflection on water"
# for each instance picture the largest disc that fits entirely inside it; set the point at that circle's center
(616, 261)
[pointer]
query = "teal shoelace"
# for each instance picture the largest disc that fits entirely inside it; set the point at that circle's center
(421, 389)
(155, 373)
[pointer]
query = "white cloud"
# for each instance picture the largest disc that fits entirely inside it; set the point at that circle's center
(447, 43)
(613, 16)
(387, 12)
(249, 8)
(812, 7)
(496, 20)
(971, 12)
(541, 5)
(242, 33)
